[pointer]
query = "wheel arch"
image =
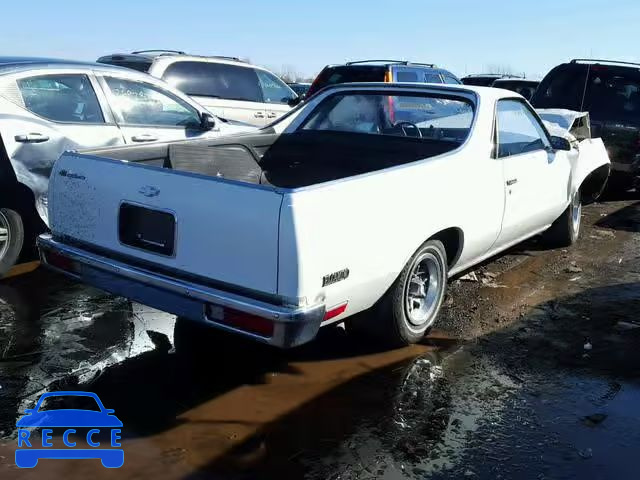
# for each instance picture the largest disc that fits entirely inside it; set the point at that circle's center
(594, 184)
(453, 240)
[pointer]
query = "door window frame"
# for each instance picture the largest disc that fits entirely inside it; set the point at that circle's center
(117, 114)
(103, 104)
(495, 134)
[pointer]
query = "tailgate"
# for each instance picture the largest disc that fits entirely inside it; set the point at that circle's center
(216, 229)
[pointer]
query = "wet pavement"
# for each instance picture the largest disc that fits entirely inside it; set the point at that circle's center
(534, 372)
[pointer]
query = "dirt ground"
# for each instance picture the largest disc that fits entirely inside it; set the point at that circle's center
(533, 373)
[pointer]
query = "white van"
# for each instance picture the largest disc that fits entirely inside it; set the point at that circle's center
(226, 86)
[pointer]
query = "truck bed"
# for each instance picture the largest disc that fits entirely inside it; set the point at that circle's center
(290, 160)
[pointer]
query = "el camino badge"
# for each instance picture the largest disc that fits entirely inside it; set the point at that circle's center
(149, 191)
(335, 277)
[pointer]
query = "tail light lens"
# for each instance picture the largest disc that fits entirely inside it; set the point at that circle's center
(241, 320)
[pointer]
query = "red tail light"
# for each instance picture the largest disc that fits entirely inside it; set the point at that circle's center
(242, 321)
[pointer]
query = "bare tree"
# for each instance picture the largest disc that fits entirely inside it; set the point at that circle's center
(502, 69)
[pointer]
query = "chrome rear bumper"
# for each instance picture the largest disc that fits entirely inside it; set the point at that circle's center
(292, 326)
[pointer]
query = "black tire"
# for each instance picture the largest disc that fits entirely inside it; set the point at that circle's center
(565, 230)
(394, 323)
(10, 250)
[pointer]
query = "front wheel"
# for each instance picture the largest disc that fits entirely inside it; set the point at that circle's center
(566, 229)
(11, 238)
(410, 307)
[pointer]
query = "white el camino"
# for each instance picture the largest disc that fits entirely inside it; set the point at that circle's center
(366, 199)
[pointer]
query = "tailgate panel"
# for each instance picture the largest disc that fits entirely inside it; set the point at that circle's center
(222, 230)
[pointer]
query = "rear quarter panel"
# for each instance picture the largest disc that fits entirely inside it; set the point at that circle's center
(373, 224)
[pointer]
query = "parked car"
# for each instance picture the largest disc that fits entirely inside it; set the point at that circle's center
(484, 79)
(399, 71)
(301, 88)
(49, 106)
(524, 87)
(227, 86)
(610, 92)
(356, 198)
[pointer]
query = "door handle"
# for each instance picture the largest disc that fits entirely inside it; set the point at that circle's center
(271, 115)
(144, 138)
(31, 138)
(258, 115)
(513, 181)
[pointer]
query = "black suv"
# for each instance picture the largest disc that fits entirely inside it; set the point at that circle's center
(381, 71)
(610, 92)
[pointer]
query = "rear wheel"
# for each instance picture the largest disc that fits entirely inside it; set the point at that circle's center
(566, 229)
(410, 307)
(11, 238)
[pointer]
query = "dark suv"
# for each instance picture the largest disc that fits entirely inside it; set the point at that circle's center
(610, 92)
(485, 79)
(381, 71)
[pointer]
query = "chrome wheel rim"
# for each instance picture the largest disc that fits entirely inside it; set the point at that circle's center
(5, 235)
(576, 212)
(423, 291)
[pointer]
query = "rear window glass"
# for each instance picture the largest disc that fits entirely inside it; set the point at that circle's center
(563, 87)
(419, 116)
(347, 74)
(216, 80)
(479, 81)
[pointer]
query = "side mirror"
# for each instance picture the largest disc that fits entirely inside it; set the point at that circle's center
(207, 121)
(560, 143)
(30, 411)
(292, 102)
(109, 411)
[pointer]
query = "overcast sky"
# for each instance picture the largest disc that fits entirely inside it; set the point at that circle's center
(464, 36)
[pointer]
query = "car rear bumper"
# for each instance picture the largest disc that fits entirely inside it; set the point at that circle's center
(281, 326)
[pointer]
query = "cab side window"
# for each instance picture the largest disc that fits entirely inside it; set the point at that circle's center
(450, 80)
(519, 131)
(432, 78)
(274, 90)
(61, 98)
(408, 76)
(145, 104)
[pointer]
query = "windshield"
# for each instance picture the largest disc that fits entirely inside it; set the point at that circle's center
(409, 115)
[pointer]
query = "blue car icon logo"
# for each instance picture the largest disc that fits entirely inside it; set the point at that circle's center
(99, 422)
